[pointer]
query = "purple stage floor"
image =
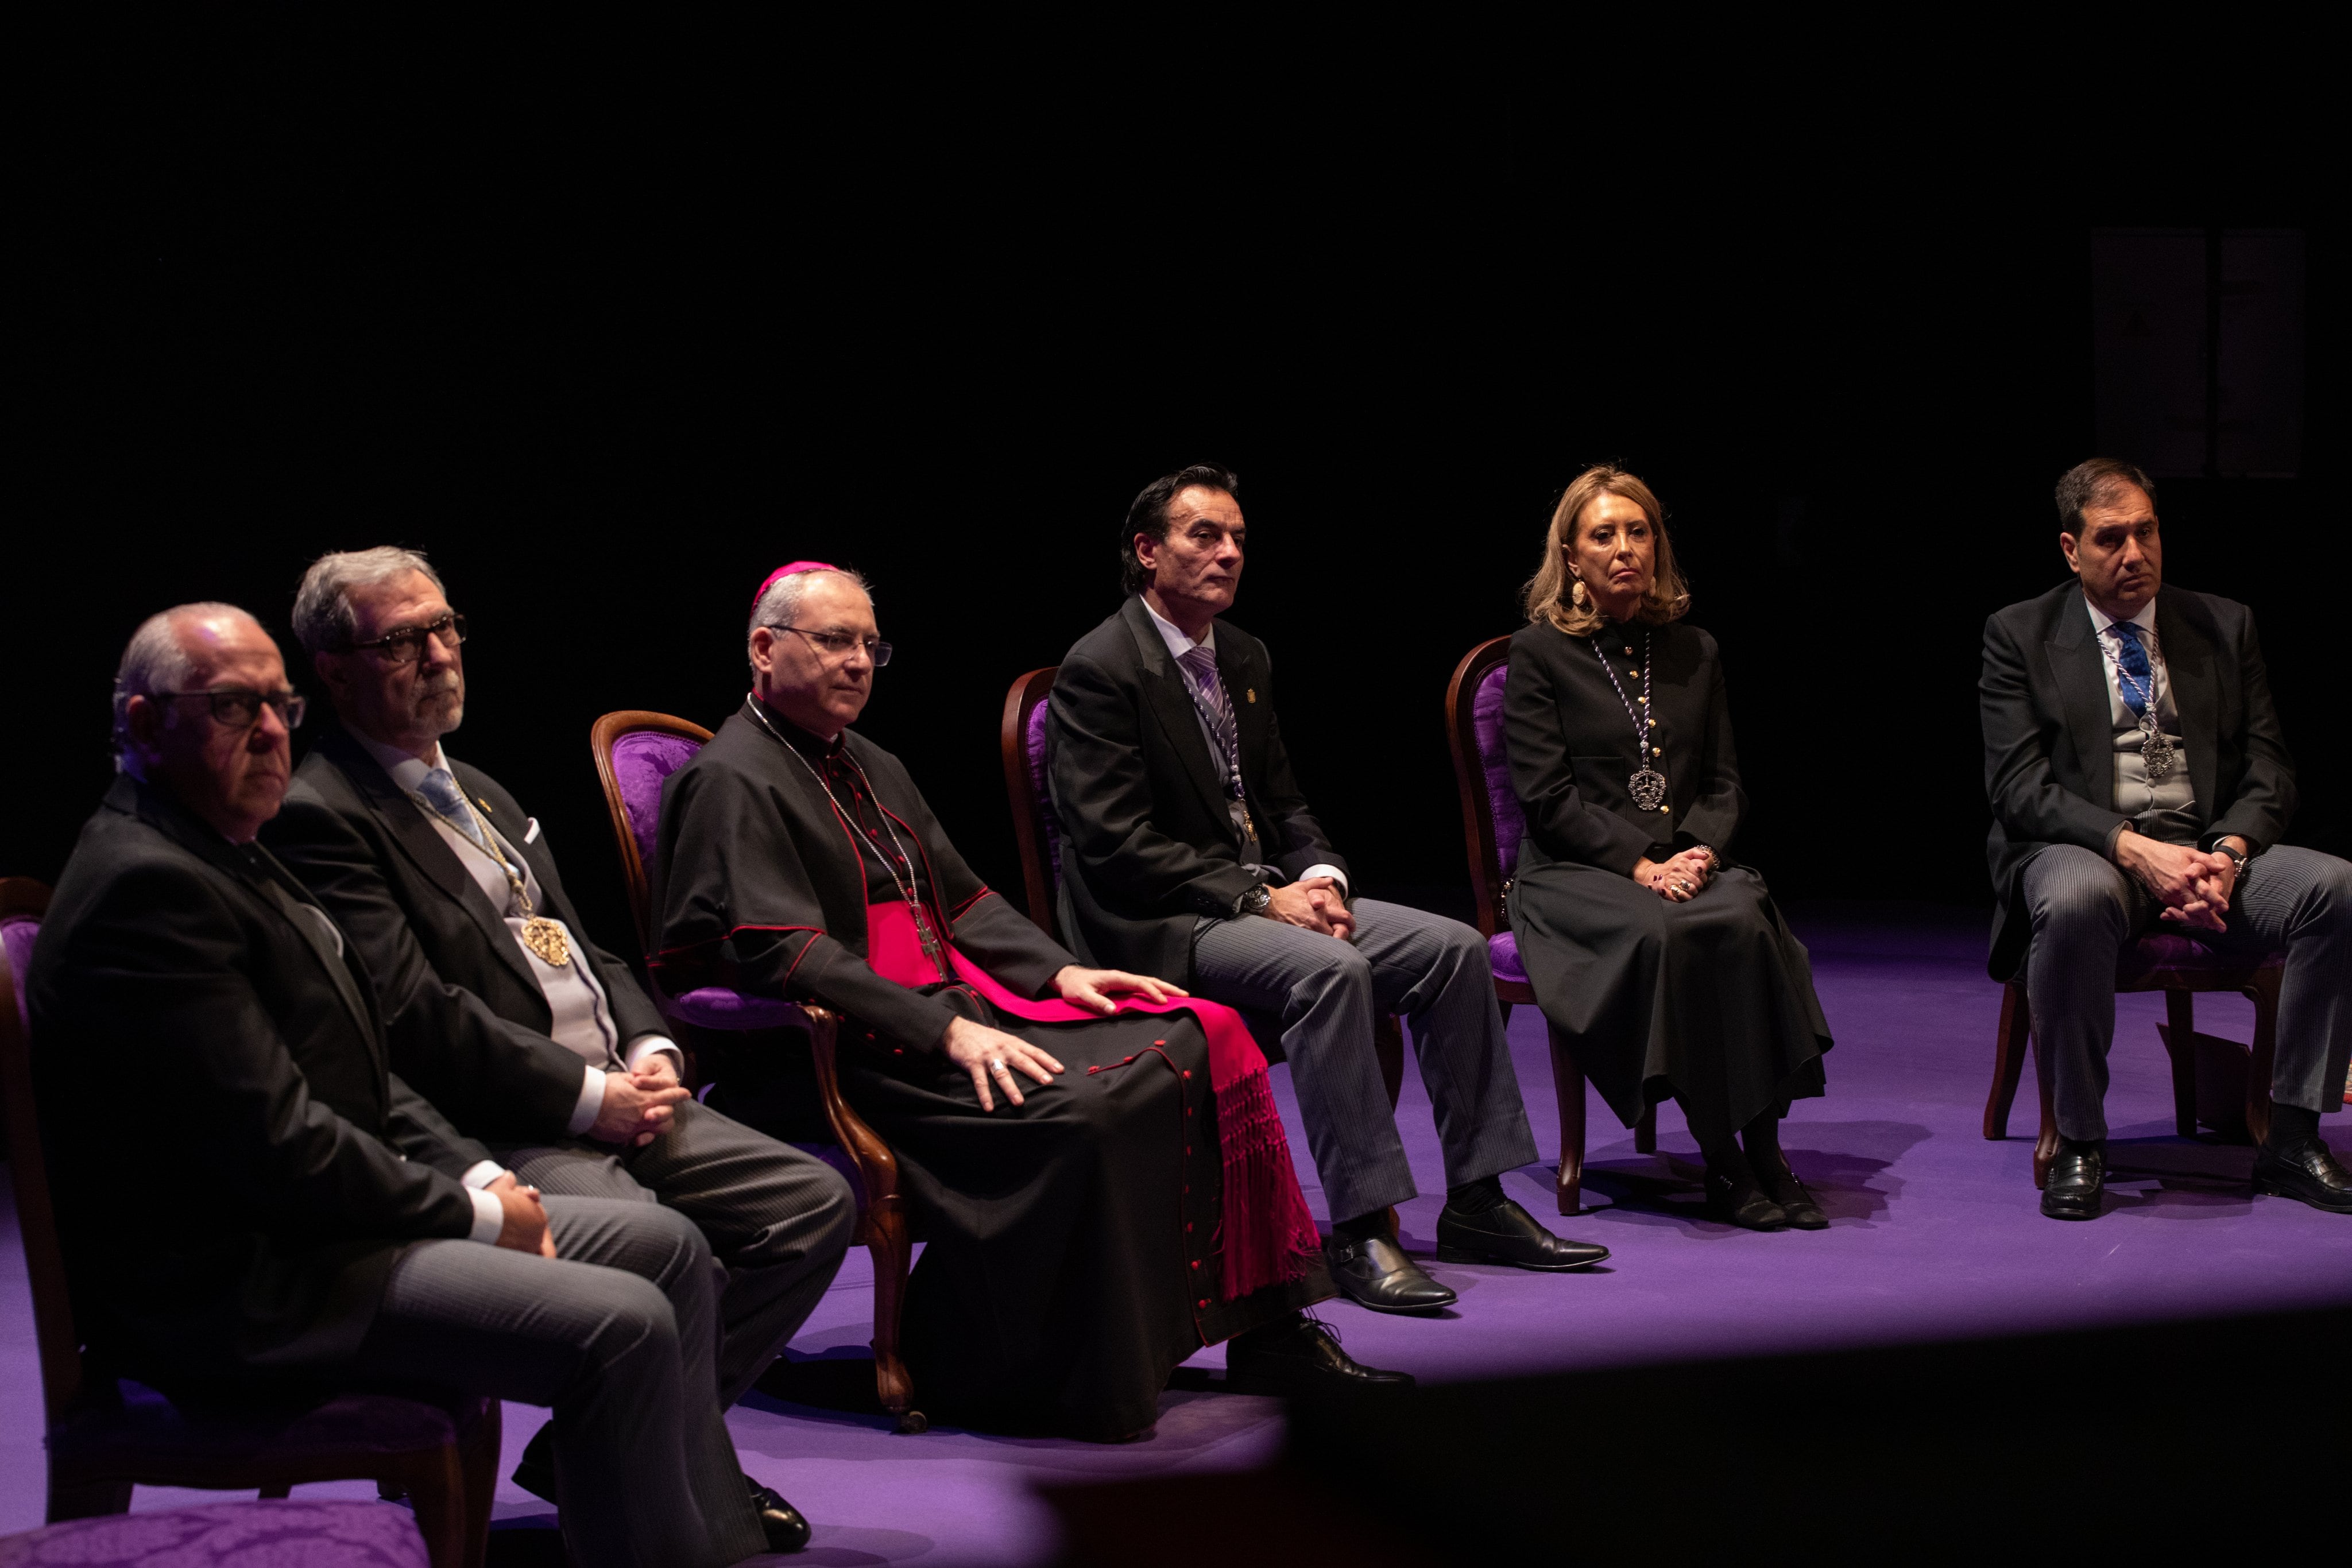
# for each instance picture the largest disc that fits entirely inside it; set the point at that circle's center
(1933, 1234)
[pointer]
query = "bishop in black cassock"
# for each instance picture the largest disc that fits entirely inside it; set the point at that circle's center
(1080, 1241)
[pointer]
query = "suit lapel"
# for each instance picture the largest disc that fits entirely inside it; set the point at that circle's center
(1170, 701)
(405, 825)
(2189, 666)
(1250, 717)
(2082, 677)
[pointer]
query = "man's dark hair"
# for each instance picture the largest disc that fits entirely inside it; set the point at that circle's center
(2093, 483)
(1149, 514)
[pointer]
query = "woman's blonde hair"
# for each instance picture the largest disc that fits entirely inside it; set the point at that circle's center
(1554, 595)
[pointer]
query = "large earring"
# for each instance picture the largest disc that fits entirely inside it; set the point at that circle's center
(1576, 594)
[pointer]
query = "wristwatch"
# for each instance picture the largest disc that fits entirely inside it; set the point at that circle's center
(2235, 858)
(1256, 900)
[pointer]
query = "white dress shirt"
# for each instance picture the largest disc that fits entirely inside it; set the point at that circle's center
(581, 1018)
(1179, 645)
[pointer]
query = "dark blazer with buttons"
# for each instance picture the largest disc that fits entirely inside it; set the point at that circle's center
(1148, 844)
(434, 942)
(2049, 736)
(235, 1164)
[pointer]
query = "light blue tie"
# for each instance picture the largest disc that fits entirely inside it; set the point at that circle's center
(448, 802)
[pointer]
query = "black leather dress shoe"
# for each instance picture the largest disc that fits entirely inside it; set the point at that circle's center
(787, 1527)
(1302, 1358)
(535, 1471)
(1796, 1200)
(1376, 1273)
(2077, 1177)
(2307, 1172)
(1509, 1234)
(1734, 1196)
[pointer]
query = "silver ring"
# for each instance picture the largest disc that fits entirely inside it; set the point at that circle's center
(996, 1064)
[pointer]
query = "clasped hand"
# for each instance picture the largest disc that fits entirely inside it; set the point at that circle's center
(2194, 885)
(525, 1230)
(636, 1105)
(1678, 880)
(1314, 904)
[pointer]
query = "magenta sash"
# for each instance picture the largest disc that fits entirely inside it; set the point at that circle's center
(1268, 1235)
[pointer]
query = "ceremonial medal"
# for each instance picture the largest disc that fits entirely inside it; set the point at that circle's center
(545, 937)
(2155, 751)
(1647, 787)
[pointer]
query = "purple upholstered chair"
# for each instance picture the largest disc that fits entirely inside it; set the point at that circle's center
(107, 1434)
(312, 1535)
(1492, 827)
(2218, 1081)
(635, 751)
(1038, 832)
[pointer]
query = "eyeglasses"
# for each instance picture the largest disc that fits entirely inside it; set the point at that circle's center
(838, 644)
(406, 645)
(241, 709)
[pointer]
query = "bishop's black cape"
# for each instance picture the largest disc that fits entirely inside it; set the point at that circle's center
(1709, 1001)
(1066, 1240)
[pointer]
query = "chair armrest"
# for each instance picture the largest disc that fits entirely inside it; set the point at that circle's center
(878, 1167)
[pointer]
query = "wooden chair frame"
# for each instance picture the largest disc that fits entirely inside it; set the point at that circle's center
(887, 1224)
(1490, 886)
(2258, 984)
(451, 1485)
(1022, 793)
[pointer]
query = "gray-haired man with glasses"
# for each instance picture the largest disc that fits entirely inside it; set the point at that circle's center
(548, 1050)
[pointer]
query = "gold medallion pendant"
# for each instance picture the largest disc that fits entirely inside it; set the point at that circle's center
(545, 937)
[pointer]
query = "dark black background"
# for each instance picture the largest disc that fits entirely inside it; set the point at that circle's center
(607, 372)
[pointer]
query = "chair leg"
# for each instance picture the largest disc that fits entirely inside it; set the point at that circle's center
(436, 1488)
(1388, 1044)
(479, 1460)
(1568, 1087)
(87, 1499)
(2008, 1060)
(2181, 1040)
(890, 1246)
(277, 1491)
(2264, 994)
(2045, 1143)
(1645, 1132)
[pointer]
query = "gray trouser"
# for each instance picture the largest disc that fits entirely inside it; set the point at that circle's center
(618, 1333)
(1327, 992)
(777, 1220)
(2083, 909)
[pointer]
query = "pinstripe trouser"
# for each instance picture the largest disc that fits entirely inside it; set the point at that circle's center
(777, 1220)
(619, 1334)
(2084, 908)
(1326, 992)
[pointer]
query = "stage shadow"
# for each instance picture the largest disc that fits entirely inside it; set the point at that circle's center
(2208, 1177)
(1848, 1177)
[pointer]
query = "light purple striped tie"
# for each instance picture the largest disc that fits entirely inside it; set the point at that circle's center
(1202, 664)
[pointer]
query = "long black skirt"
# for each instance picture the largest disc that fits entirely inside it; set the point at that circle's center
(1070, 1254)
(1709, 1002)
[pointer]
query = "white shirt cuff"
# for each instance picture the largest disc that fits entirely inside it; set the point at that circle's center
(489, 1215)
(591, 1102)
(482, 1173)
(646, 1045)
(1334, 873)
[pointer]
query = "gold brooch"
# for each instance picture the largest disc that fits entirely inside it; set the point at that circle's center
(1253, 693)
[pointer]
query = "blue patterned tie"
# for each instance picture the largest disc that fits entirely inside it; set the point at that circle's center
(2134, 673)
(448, 802)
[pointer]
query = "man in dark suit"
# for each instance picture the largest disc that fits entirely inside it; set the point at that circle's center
(555, 1055)
(2140, 782)
(246, 1191)
(1188, 853)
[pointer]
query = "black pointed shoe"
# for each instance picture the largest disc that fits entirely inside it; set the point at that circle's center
(535, 1471)
(1509, 1234)
(1796, 1200)
(2306, 1172)
(1376, 1273)
(2077, 1180)
(786, 1526)
(1301, 1357)
(1734, 1197)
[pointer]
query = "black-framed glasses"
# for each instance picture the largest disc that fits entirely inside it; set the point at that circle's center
(838, 644)
(406, 645)
(240, 708)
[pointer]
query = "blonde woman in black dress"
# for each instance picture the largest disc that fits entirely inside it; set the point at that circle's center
(1661, 958)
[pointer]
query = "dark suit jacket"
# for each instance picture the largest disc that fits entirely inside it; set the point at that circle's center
(235, 1166)
(434, 943)
(1148, 845)
(2050, 741)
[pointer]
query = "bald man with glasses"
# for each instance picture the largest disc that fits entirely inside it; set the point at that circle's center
(548, 1050)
